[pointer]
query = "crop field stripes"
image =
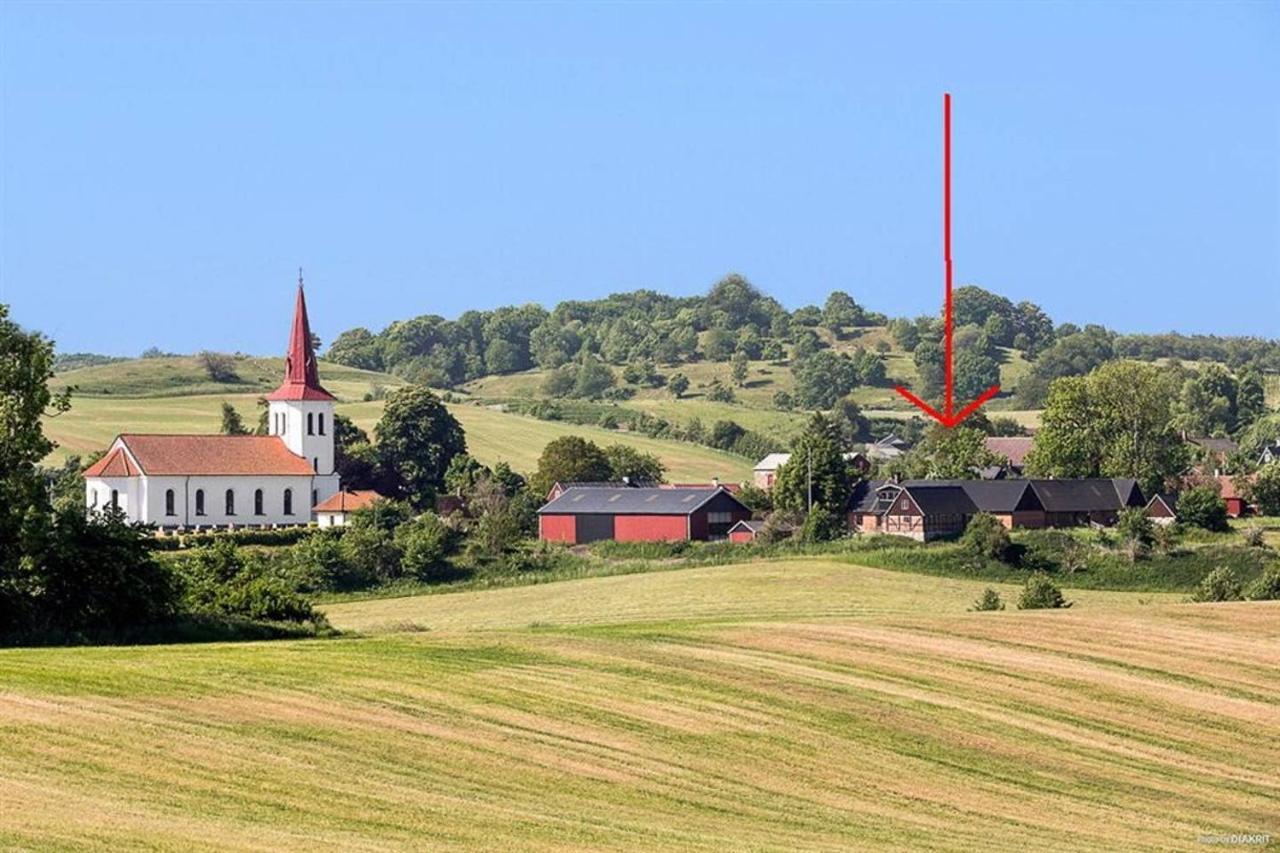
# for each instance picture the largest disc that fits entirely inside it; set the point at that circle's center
(1115, 725)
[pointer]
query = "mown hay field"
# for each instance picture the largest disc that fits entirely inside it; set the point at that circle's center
(797, 705)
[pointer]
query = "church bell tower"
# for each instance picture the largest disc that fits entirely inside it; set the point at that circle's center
(300, 411)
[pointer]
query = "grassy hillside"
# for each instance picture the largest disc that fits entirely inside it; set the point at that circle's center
(784, 706)
(183, 375)
(753, 407)
(492, 436)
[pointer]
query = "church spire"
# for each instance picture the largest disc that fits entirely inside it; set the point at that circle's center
(301, 374)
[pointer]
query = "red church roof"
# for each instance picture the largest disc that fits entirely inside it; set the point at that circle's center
(301, 376)
(181, 455)
(114, 464)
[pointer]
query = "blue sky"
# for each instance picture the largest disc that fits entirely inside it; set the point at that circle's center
(166, 168)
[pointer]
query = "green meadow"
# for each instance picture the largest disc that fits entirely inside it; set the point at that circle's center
(103, 408)
(803, 704)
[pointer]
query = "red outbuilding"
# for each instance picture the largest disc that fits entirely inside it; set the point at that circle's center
(591, 514)
(744, 531)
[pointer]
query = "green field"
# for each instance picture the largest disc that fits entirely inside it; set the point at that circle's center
(183, 375)
(492, 436)
(798, 705)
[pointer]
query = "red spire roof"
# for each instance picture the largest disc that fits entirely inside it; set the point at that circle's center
(301, 377)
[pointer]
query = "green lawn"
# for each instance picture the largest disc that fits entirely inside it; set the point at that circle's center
(801, 705)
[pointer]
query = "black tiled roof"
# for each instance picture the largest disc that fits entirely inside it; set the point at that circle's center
(633, 500)
(937, 499)
(1084, 495)
(1088, 495)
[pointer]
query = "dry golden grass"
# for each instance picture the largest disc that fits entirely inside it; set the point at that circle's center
(656, 714)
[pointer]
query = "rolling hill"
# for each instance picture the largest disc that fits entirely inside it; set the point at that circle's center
(805, 705)
(104, 405)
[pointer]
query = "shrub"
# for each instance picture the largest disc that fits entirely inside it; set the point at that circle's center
(1164, 538)
(1040, 592)
(222, 580)
(1264, 490)
(369, 554)
(316, 564)
(1135, 531)
(1221, 584)
(1202, 507)
(718, 392)
(1267, 585)
(821, 525)
(220, 367)
(779, 525)
(1253, 536)
(424, 543)
(986, 537)
(989, 600)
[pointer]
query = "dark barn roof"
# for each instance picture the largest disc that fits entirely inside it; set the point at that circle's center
(937, 499)
(1090, 495)
(635, 501)
(989, 495)
(1003, 496)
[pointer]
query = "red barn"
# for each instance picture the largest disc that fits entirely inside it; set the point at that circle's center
(580, 515)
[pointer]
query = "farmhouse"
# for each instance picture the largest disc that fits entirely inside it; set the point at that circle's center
(184, 481)
(765, 473)
(652, 514)
(1013, 449)
(932, 509)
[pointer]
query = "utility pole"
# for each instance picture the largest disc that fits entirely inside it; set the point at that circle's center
(808, 455)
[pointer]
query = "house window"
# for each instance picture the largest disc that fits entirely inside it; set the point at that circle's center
(719, 517)
(199, 501)
(320, 417)
(168, 502)
(230, 502)
(257, 502)
(310, 431)
(115, 499)
(288, 501)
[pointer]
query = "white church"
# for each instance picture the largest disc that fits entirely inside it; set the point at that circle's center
(193, 481)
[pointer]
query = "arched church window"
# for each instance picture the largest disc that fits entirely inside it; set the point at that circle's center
(310, 431)
(288, 501)
(315, 495)
(199, 501)
(315, 464)
(115, 499)
(168, 502)
(257, 502)
(230, 502)
(320, 417)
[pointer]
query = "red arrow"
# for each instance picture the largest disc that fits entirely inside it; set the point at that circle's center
(950, 418)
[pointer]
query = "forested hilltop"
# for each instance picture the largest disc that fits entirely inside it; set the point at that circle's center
(830, 349)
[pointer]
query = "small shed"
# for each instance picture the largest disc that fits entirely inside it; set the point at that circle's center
(1163, 509)
(744, 531)
(335, 511)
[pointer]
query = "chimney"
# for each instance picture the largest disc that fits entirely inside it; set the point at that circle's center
(715, 481)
